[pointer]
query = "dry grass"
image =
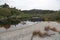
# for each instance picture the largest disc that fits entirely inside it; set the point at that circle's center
(46, 34)
(59, 32)
(6, 26)
(35, 33)
(40, 34)
(53, 29)
(47, 28)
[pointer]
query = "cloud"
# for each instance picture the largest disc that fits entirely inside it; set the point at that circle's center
(37, 4)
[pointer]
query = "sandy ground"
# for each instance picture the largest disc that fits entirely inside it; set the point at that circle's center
(26, 33)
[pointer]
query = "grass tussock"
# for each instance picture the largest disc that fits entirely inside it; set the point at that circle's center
(53, 29)
(47, 28)
(46, 34)
(59, 32)
(37, 33)
(6, 26)
(40, 34)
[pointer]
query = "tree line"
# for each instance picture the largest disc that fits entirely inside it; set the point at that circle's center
(10, 15)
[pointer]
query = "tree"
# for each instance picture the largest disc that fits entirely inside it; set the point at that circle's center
(5, 12)
(5, 6)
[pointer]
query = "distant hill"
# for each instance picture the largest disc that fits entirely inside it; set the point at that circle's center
(38, 11)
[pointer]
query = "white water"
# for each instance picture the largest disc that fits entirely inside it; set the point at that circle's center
(20, 25)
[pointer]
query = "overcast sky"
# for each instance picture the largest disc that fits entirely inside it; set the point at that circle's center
(33, 4)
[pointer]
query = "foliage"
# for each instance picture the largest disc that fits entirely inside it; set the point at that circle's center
(12, 13)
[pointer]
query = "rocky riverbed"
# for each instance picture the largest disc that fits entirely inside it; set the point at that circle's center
(25, 33)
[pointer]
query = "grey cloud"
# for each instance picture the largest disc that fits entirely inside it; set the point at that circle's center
(38, 4)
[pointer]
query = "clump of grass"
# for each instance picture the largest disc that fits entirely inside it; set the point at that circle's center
(59, 32)
(35, 33)
(46, 34)
(40, 34)
(47, 28)
(6, 26)
(53, 29)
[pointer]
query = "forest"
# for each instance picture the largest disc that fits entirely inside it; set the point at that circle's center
(10, 15)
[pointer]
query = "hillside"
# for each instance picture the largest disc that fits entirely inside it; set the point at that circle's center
(9, 15)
